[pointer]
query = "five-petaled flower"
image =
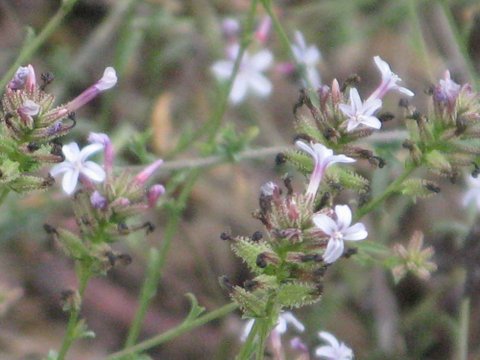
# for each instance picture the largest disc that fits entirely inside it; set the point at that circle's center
(338, 231)
(249, 76)
(335, 350)
(75, 164)
(361, 113)
(389, 81)
(308, 57)
(323, 157)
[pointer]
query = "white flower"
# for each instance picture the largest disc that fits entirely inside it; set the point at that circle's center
(361, 113)
(286, 318)
(338, 230)
(309, 57)
(250, 74)
(389, 81)
(335, 350)
(473, 192)
(75, 164)
(323, 158)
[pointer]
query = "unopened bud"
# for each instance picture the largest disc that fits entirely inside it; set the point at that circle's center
(154, 194)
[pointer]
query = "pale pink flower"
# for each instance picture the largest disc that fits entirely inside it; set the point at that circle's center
(361, 113)
(335, 350)
(338, 231)
(389, 81)
(308, 57)
(75, 164)
(249, 77)
(323, 157)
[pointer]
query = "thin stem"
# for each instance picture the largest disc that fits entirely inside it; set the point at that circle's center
(83, 274)
(284, 40)
(173, 333)
(247, 348)
(32, 46)
(3, 194)
(463, 333)
(391, 189)
(211, 128)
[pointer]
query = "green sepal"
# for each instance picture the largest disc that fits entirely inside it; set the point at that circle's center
(249, 250)
(9, 170)
(300, 160)
(297, 294)
(251, 304)
(72, 245)
(305, 126)
(26, 183)
(419, 188)
(348, 179)
(438, 161)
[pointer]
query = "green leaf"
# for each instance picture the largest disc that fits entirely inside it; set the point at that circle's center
(297, 294)
(195, 310)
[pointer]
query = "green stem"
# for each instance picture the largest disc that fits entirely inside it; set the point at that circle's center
(463, 334)
(33, 45)
(3, 194)
(391, 189)
(173, 333)
(211, 128)
(248, 346)
(284, 40)
(83, 275)
(265, 327)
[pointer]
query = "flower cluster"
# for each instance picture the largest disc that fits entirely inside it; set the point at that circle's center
(104, 202)
(32, 123)
(304, 235)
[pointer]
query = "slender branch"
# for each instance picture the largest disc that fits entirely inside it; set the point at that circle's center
(31, 47)
(463, 333)
(173, 333)
(211, 128)
(391, 189)
(84, 275)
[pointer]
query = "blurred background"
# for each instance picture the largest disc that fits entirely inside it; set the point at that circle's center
(163, 51)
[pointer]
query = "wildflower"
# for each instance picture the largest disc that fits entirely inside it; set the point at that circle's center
(286, 318)
(414, 258)
(338, 231)
(98, 201)
(75, 164)
(361, 113)
(108, 152)
(473, 192)
(146, 173)
(323, 158)
(108, 80)
(250, 74)
(154, 193)
(335, 350)
(308, 57)
(447, 91)
(389, 81)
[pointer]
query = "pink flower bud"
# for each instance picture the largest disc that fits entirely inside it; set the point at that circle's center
(263, 30)
(98, 201)
(230, 27)
(154, 194)
(143, 176)
(108, 80)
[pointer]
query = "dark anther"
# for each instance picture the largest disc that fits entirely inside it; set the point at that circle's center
(261, 261)
(432, 187)
(386, 116)
(408, 144)
(49, 229)
(47, 79)
(256, 236)
(312, 257)
(318, 290)
(300, 102)
(48, 181)
(476, 170)
(1, 174)
(321, 271)
(304, 137)
(416, 115)
(250, 285)
(287, 181)
(224, 236)
(350, 252)
(33, 146)
(331, 133)
(280, 159)
(85, 220)
(57, 149)
(226, 283)
(403, 103)
(112, 258)
(461, 124)
(352, 80)
(149, 227)
(124, 259)
(122, 228)
(364, 198)
(72, 116)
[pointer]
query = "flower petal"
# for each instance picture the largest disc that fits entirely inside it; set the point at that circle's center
(69, 181)
(260, 84)
(334, 251)
(370, 121)
(326, 351)
(292, 320)
(325, 223)
(239, 89)
(60, 168)
(71, 152)
(344, 216)
(261, 61)
(222, 69)
(89, 150)
(93, 171)
(329, 338)
(355, 232)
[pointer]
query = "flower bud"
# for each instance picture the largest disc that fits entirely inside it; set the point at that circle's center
(154, 193)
